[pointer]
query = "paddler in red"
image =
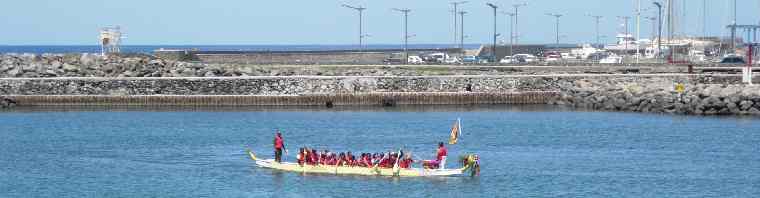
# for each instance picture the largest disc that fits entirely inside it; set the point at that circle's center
(301, 157)
(406, 161)
(441, 155)
(279, 145)
(314, 157)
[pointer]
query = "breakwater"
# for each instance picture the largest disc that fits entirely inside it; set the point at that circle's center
(88, 79)
(678, 96)
(702, 94)
(89, 65)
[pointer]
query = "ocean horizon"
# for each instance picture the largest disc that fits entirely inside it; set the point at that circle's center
(56, 49)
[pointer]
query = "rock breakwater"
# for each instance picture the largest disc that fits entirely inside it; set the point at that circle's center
(90, 65)
(662, 96)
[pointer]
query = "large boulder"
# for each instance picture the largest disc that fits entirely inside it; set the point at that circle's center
(70, 68)
(89, 59)
(754, 111)
(7, 102)
(746, 105)
(5, 67)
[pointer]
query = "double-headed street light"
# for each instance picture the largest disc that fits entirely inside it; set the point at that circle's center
(517, 32)
(456, 11)
(461, 41)
(406, 32)
(495, 34)
(511, 31)
(359, 9)
(557, 16)
(625, 26)
(597, 18)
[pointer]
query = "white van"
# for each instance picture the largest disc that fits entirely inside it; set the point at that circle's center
(415, 60)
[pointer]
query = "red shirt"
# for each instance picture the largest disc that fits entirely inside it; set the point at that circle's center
(314, 158)
(278, 142)
(441, 152)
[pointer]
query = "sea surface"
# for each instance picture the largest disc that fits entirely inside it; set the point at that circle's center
(528, 151)
(58, 49)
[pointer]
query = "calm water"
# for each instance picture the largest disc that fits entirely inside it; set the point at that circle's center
(525, 153)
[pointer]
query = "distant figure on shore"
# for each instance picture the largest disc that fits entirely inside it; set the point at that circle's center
(279, 145)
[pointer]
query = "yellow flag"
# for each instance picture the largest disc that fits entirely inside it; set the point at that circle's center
(455, 129)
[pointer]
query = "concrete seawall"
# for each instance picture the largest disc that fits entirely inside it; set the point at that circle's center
(327, 100)
(298, 85)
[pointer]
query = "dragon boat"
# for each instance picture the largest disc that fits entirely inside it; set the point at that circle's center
(469, 163)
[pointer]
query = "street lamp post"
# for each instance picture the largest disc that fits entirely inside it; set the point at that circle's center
(557, 16)
(495, 35)
(461, 41)
(596, 19)
(638, 30)
(456, 11)
(653, 20)
(733, 31)
(659, 28)
(511, 31)
(517, 32)
(704, 19)
(361, 13)
(625, 36)
(406, 32)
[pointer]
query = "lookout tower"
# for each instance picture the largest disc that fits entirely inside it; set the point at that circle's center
(110, 40)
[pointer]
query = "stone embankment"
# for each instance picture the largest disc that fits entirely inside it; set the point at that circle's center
(90, 65)
(661, 96)
(90, 75)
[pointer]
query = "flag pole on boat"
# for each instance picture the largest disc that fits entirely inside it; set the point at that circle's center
(396, 169)
(459, 128)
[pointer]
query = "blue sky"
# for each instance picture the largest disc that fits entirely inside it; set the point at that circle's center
(218, 22)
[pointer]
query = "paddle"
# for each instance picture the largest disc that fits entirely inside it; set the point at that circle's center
(396, 169)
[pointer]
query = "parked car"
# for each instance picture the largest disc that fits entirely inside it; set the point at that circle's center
(393, 61)
(597, 56)
(485, 59)
(525, 58)
(428, 58)
(439, 57)
(506, 60)
(553, 58)
(612, 59)
(452, 61)
(469, 59)
(733, 60)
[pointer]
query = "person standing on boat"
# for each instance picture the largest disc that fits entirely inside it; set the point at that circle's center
(279, 145)
(441, 155)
